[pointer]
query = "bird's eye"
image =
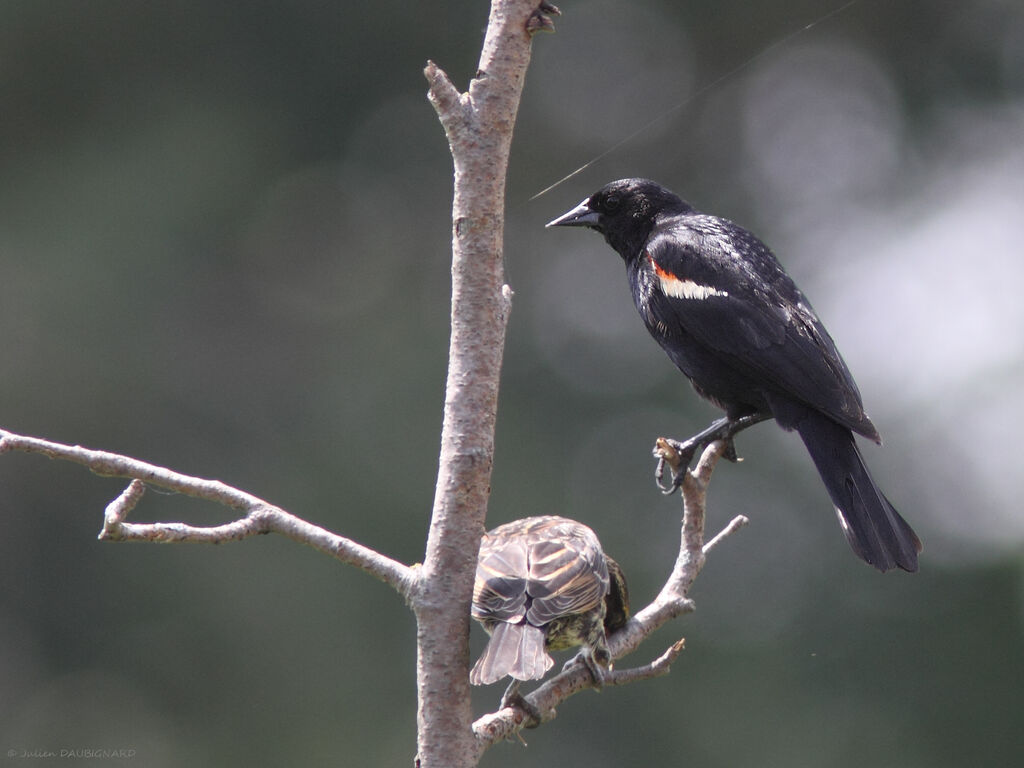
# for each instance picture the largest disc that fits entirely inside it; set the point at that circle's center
(612, 203)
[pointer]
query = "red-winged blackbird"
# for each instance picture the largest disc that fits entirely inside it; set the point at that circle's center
(544, 583)
(717, 301)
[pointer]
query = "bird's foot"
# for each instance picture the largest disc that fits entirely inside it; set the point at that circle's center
(595, 663)
(540, 19)
(513, 698)
(678, 455)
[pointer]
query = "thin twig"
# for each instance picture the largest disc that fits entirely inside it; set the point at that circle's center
(660, 666)
(734, 525)
(260, 516)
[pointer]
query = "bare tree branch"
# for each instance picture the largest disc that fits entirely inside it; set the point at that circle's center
(660, 666)
(734, 525)
(672, 601)
(478, 125)
(260, 516)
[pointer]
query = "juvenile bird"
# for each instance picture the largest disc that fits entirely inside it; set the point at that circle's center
(721, 306)
(544, 583)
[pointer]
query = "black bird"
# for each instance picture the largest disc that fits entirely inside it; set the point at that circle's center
(544, 583)
(720, 304)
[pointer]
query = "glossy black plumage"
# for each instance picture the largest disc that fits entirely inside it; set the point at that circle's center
(543, 583)
(726, 313)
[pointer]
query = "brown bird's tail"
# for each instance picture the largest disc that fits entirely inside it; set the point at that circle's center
(514, 649)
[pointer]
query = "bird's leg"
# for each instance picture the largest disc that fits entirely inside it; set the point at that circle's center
(721, 429)
(513, 698)
(595, 661)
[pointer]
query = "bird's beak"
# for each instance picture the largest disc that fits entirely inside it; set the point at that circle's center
(580, 216)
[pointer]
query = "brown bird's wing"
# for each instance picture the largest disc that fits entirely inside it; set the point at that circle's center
(567, 571)
(555, 562)
(499, 592)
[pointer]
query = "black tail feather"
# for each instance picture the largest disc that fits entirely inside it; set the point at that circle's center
(875, 530)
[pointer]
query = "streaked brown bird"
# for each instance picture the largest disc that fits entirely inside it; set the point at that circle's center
(544, 584)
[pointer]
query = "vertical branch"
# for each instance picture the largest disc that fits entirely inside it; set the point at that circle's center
(478, 125)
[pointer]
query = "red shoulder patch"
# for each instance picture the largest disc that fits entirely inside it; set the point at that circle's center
(681, 288)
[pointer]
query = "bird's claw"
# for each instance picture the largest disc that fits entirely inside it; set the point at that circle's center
(513, 698)
(676, 456)
(729, 452)
(593, 666)
(679, 455)
(540, 19)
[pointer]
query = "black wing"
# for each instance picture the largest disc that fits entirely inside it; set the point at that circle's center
(746, 312)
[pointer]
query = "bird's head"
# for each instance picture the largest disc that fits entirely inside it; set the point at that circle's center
(624, 211)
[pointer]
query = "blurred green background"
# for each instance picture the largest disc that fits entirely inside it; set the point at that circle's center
(224, 247)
